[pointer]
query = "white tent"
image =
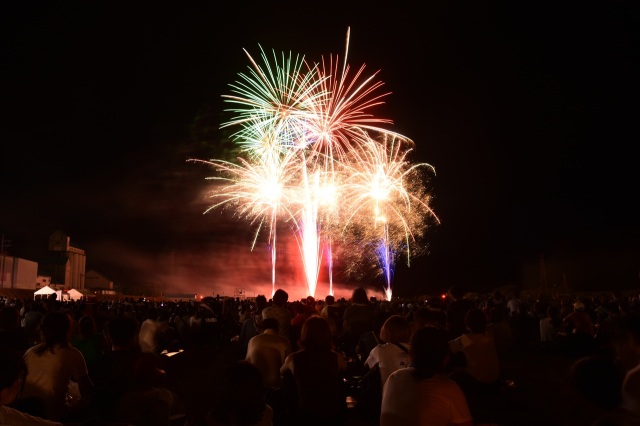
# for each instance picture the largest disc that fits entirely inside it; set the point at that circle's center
(74, 294)
(45, 291)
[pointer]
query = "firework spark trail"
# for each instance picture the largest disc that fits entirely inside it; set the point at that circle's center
(384, 203)
(314, 155)
(256, 191)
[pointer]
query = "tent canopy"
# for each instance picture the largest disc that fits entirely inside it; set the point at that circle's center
(75, 294)
(46, 291)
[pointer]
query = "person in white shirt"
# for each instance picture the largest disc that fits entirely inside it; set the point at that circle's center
(393, 354)
(422, 394)
(12, 376)
(267, 351)
(52, 365)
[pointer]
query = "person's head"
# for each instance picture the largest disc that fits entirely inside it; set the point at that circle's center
(395, 329)
(55, 330)
(12, 374)
(429, 351)
(87, 325)
(553, 311)
(429, 317)
(457, 292)
(476, 321)
(598, 380)
(359, 295)
(123, 331)
(379, 318)
(242, 402)
(280, 297)
(261, 301)
(316, 335)
(270, 324)
(329, 299)
(9, 318)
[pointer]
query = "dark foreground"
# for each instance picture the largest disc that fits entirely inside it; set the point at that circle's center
(536, 388)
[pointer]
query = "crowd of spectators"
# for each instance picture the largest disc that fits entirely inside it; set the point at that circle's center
(103, 362)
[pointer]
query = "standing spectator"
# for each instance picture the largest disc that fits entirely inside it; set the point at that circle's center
(52, 364)
(422, 394)
(317, 371)
(279, 310)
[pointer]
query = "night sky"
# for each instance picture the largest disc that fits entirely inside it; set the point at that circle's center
(527, 112)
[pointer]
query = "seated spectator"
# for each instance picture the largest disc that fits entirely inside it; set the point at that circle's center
(551, 325)
(596, 384)
(11, 332)
(31, 319)
(631, 380)
(280, 311)
(155, 334)
(371, 339)
(242, 401)
(357, 320)
(317, 372)
(427, 316)
(267, 351)
(12, 377)
(130, 386)
(52, 364)
(500, 327)
(88, 341)
(394, 353)
(252, 325)
(478, 371)
(456, 311)
(422, 394)
(580, 339)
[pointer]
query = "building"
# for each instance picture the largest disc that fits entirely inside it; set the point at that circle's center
(16, 273)
(66, 264)
(97, 282)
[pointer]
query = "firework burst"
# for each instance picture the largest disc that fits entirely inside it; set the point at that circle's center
(313, 154)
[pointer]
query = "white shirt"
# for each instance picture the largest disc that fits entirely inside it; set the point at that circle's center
(390, 357)
(49, 376)
(436, 401)
(268, 351)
